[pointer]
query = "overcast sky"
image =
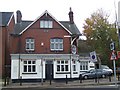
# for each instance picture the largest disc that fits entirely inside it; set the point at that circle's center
(31, 9)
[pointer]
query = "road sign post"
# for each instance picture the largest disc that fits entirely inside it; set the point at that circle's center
(113, 58)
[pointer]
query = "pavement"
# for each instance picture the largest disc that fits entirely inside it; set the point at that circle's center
(63, 84)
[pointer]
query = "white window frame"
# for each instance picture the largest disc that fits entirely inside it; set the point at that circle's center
(30, 44)
(46, 24)
(74, 65)
(56, 44)
(84, 65)
(64, 64)
(29, 66)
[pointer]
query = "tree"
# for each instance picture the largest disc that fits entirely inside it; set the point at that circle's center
(99, 33)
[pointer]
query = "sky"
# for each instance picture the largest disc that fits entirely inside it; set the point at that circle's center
(82, 9)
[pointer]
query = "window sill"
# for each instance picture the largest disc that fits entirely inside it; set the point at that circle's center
(29, 73)
(62, 72)
(75, 72)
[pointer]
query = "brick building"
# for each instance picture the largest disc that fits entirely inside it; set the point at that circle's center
(7, 23)
(42, 48)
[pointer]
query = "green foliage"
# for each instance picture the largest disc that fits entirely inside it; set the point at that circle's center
(99, 33)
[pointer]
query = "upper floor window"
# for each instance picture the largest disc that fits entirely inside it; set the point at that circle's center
(56, 44)
(30, 44)
(46, 24)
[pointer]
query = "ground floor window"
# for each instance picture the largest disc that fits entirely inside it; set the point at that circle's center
(62, 66)
(84, 65)
(29, 66)
(74, 65)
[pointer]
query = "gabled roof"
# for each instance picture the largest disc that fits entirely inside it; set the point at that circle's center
(71, 27)
(19, 27)
(24, 25)
(46, 12)
(5, 18)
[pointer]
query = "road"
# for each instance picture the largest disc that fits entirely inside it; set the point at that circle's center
(107, 87)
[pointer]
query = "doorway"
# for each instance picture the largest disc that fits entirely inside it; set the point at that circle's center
(49, 69)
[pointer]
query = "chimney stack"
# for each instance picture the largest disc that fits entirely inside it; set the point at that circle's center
(71, 16)
(18, 16)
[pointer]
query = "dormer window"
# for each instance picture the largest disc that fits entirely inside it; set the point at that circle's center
(30, 44)
(46, 24)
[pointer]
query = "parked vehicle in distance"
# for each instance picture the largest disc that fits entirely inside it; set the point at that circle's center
(94, 73)
(118, 70)
(106, 68)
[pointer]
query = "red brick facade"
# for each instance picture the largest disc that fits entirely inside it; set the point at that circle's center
(14, 43)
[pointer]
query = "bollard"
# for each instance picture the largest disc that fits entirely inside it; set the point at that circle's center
(20, 80)
(118, 77)
(50, 79)
(95, 79)
(7, 80)
(109, 78)
(80, 78)
(66, 80)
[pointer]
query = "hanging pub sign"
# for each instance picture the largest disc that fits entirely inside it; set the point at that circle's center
(74, 49)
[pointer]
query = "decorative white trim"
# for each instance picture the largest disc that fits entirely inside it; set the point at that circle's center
(46, 12)
(10, 19)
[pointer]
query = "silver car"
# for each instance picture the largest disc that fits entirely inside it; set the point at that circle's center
(95, 73)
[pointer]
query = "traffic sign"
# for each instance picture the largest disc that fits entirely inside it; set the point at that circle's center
(113, 56)
(112, 46)
(93, 56)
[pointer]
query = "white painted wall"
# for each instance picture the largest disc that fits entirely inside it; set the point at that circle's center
(14, 69)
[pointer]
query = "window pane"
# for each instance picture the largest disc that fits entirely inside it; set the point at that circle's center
(58, 62)
(61, 46)
(52, 46)
(58, 67)
(66, 67)
(46, 24)
(50, 24)
(56, 46)
(32, 46)
(29, 62)
(25, 68)
(62, 62)
(33, 68)
(25, 62)
(66, 62)
(41, 24)
(74, 67)
(62, 67)
(33, 62)
(29, 68)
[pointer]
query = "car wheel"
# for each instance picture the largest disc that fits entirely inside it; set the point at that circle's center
(85, 77)
(103, 76)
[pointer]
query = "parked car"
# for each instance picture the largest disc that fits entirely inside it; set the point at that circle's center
(106, 68)
(94, 73)
(117, 70)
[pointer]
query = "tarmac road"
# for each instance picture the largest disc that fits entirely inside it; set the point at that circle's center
(37, 88)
